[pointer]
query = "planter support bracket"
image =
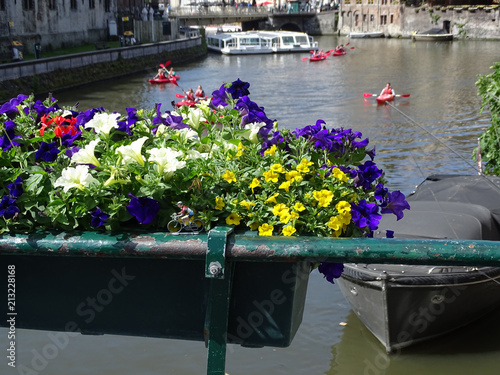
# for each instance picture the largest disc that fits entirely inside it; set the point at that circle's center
(220, 274)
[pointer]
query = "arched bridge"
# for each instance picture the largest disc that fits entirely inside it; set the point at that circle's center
(256, 18)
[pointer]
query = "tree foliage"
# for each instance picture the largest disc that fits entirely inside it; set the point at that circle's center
(489, 90)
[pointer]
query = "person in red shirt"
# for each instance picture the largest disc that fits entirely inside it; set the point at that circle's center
(190, 95)
(387, 90)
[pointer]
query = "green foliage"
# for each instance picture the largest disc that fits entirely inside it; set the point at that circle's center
(489, 91)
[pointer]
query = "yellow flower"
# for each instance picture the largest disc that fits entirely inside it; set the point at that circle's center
(219, 203)
(306, 162)
(248, 205)
(299, 207)
(307, 195)
(271, 176)
(270, 151)
(278, 168)
(266, 230)
(233, 218)
(285, 186)
(278, 208)
(285, 216)
(254, 226)
(324, 197)
(293, 176)
(343, 206)
(239, 153)
(272, 198)
(288, 230)
(255, 183)
(302, 168)
(229, 176)
(337, 173)
(345, 218)
(294, 215)
(334, 223)
(240, 150)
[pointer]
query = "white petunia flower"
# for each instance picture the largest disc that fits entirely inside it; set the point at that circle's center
(253, 129)
(75, 177)
(194, 154)
(166, 158)
(103, 122)
(195, 116)
(86, 155)
(132, 152)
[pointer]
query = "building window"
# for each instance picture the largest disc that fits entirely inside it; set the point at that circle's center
(2, 4)
(107, 5)
(383, 20)
(73, 4)
(347, 2)
(52, 4)
(372, 18)
(91, 4)
(370, 2)
(392, 18)
(28, 4)
(359, 2)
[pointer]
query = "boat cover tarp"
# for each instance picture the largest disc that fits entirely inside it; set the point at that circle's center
(449, 207)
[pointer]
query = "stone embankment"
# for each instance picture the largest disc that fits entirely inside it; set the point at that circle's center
(48, 74)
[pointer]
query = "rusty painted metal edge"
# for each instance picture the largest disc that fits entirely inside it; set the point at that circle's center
(245, 247)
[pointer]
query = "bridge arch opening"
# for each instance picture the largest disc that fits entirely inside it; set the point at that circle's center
(290, 27)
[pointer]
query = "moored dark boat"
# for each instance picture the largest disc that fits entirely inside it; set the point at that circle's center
(402, 304)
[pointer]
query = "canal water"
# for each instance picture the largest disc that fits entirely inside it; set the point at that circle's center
(433, 131)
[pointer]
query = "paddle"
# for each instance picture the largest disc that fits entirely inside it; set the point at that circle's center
(167, 63)
(367, 95)
(305, 58)
(179, 96)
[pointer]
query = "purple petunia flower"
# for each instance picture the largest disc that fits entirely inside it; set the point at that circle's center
(16, 188)
(396, 203)
(175, 122)
(365, 214)
(98, 218)
(8, 207)
(47, 152)
(124, 125)
(220, 96)
(239, 89)
(143, 208)
(331, 270)
(10, 107)
(7, 140)
(389, 233)
(367, 173)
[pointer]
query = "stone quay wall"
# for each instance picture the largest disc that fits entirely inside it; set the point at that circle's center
(57, 73)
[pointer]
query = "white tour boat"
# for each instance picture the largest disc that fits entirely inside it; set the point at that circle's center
(253, 42)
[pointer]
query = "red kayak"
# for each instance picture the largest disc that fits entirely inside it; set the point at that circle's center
(385, 98)
(338, 53)
(318, 58)
(163, 80)
(182, 102)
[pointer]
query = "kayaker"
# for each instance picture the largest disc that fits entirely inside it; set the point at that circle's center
(171, 73)
(160, 74)
(190, 95)
(387, 90)
(200, 93)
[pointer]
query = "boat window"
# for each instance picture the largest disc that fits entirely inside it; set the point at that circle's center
(301, 39)
(288, 40)
(249, 41)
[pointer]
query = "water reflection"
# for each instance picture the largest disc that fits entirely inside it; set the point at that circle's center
(359, 352)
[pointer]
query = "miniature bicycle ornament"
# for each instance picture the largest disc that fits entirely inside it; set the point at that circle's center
(176, 225)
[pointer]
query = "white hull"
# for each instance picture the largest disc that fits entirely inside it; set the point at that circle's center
(373, 34)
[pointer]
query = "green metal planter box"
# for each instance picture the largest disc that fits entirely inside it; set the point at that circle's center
(155, 297)
(76, 283)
